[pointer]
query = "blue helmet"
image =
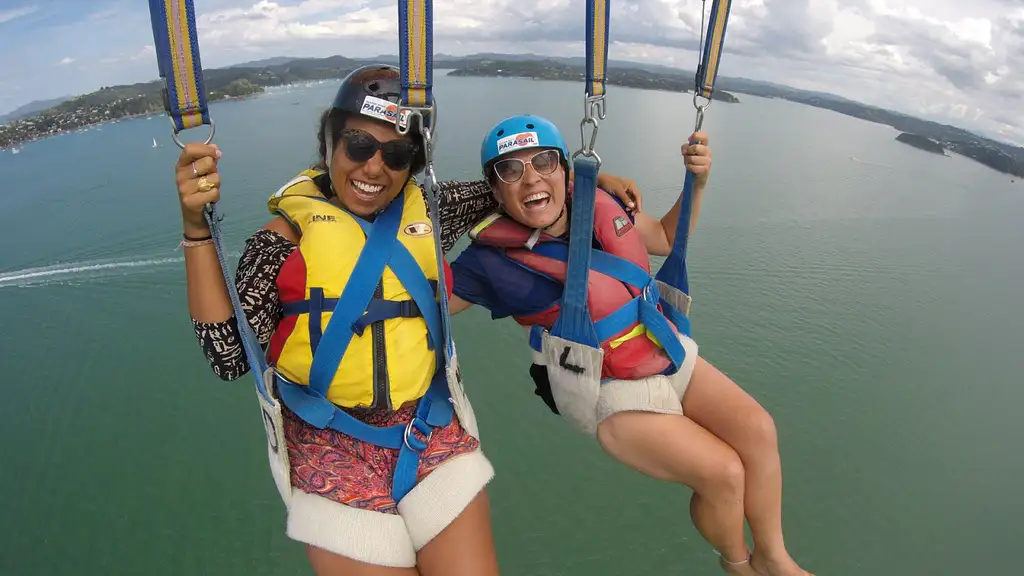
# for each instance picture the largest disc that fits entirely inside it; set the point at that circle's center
(518, 133)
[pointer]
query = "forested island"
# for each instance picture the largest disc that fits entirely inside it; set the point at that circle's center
(242, 80)
(629, 77)
(921, 143)
(115, 102)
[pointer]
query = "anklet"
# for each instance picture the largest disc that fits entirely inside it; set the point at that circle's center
(730, 563)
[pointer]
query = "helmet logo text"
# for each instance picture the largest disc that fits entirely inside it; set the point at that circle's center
(379, 108)
(517, 141)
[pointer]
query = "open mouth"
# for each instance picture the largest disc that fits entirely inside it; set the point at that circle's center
(537, 201)
(365, 192)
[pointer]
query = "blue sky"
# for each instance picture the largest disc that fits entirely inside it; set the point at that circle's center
(953, 61)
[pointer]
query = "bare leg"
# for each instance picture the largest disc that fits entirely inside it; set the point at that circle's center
(675, 449)
(465, 547)
(723, 408)
(329, 564)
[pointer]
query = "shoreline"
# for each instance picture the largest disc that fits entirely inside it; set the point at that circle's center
(18, 144)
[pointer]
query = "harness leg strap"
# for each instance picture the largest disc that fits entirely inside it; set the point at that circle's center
(434, 411)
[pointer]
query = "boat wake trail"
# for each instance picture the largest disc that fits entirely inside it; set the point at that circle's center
(869, 163)
(77, 271)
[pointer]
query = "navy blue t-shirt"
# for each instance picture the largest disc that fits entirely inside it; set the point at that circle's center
(486, 277)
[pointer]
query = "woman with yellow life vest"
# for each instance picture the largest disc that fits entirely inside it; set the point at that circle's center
(653, 403)
(382, 472)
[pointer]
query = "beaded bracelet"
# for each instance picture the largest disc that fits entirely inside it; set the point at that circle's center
(190, 242)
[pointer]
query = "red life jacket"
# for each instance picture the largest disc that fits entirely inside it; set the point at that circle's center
(632, 359)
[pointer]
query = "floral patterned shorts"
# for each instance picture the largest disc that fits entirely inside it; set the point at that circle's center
(338, 467)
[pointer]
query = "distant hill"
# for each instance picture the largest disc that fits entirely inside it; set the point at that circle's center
(39, 119)
(921, 142)
(275, 61)
(31, 108)
(992, 153)
(553, 69)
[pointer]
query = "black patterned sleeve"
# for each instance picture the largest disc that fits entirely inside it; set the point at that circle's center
(264, 253)
(460, 205)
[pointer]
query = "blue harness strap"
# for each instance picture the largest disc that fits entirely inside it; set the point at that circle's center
(366, 274)
(574, 322)
(422, 290)
(352, 311)
(416, 49)
(176, 43)
(673, 271)
(642, 309)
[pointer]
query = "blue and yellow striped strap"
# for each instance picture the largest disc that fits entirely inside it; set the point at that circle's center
(415, 27)
(597, 46)
(707, 72)
(177, 51)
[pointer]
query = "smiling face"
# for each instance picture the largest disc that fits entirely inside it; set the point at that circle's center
(530, 186)
(370, 165)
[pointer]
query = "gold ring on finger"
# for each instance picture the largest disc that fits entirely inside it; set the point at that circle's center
(205, 185)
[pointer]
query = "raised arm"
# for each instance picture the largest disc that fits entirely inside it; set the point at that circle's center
(213, 318)
(659, 234)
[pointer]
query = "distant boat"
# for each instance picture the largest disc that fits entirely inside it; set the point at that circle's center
(154, 143)
(15, 150)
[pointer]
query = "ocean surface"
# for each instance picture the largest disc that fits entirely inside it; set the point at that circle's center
(865, 292)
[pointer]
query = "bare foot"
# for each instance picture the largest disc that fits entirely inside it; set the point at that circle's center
(776, 567)
(741, 568)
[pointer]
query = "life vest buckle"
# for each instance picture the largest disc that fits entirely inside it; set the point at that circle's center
(411, 441)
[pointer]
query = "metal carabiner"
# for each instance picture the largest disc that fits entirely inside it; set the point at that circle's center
(406, 114)
(699, 121)
(174, 134)
(593, 112)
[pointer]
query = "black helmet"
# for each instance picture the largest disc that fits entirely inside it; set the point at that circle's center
(375, 91)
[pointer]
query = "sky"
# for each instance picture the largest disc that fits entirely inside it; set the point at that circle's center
(959, 62)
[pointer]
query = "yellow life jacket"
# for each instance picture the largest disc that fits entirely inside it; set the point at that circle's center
(388, 360)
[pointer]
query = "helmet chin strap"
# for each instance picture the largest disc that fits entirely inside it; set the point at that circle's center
(535, 237)
(565, 204)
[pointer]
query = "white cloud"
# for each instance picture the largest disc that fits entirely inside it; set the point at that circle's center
(66, 60)
(8, 15)
(948, 60)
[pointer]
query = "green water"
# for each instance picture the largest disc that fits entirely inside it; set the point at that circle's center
(871, 304)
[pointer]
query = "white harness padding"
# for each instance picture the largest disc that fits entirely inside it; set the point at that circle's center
(460, 402)
(677, 298)
(365, 535)
(574, 371)
(277, 448)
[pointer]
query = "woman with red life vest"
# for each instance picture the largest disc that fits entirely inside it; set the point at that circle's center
(673, 418)
(381, 471)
